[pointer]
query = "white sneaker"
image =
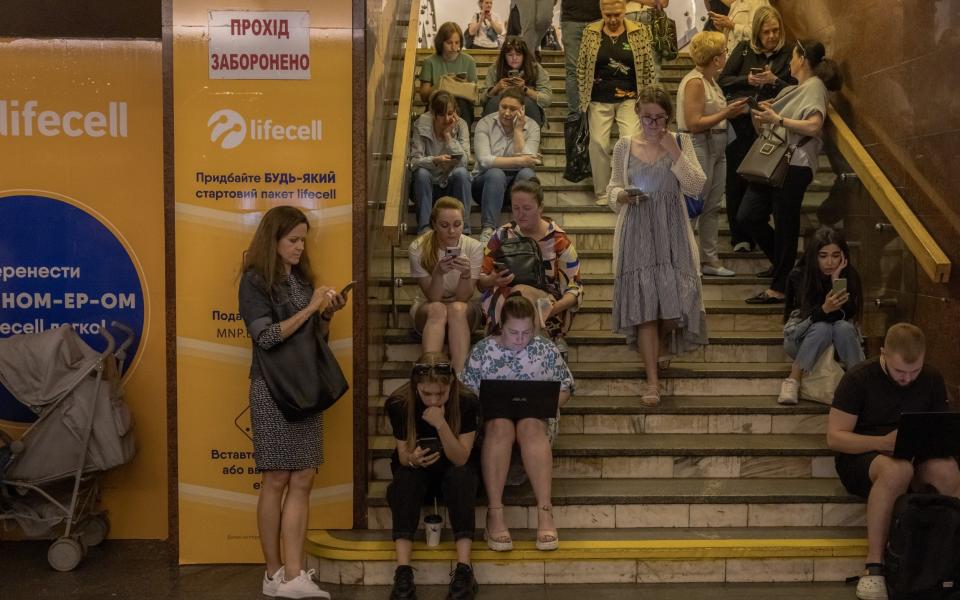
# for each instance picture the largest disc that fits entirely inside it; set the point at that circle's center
(485, 235)
(872, 587)
(743, 247)
(717, 271)
(602, 200)
(270, 584)
(790, 393)
(301, 586)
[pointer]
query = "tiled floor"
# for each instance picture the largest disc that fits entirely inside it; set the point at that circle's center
(148, 570)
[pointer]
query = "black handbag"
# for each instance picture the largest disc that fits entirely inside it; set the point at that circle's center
(663, 29)
(522, 256)
(576, 138)
(301, 372)
(768, 159)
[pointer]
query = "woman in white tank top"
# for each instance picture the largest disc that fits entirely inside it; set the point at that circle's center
(702, 111)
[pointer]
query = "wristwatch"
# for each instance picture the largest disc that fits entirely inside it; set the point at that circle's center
(781, 122)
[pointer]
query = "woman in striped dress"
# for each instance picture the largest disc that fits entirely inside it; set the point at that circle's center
(657, 299)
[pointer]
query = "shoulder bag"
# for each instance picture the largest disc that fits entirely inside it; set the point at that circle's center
(768, 159)
(301, 372)
(664, 32)
(522, 256)
(467, 90)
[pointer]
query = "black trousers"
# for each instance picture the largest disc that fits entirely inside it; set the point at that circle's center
(780, 244)
(736, 186)
(411, 487)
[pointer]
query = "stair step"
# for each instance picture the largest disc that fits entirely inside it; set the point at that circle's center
(676, 491)
(632, 370)
(765, 338)
(600, 555)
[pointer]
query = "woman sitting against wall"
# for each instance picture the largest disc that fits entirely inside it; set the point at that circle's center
(446, 264)
(516, 68)
(824, 304)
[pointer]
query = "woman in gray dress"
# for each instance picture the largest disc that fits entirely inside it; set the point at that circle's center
(277, 279)
(657, 299)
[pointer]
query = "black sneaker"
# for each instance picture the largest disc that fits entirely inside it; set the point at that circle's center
(403, 587)
(463, 586)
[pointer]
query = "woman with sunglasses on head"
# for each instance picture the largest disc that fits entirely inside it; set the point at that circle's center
(703, 113)
(435, 422)
(824, 304)
(517, 353)
(517, 68)
(657, 297)
(276, 299)
(758, 68)
(797, 115)
(446, 264)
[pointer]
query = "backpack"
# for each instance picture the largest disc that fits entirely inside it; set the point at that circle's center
(922, 557)
(522, 256)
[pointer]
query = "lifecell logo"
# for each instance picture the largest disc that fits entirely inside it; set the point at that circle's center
(229, 129)
(26, 119)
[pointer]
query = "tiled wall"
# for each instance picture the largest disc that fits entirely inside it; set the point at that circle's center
(901, 64)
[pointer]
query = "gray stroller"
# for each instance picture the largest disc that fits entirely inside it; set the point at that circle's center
(49, 477)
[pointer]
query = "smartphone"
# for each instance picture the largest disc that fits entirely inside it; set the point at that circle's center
(461, 76)
(513, 73)
(839, 285)
(752, 103)
(453, 251)
(499, 266)
(430, 444)
(346, 289)
(457, 156)
(756, 70)
(634, 192)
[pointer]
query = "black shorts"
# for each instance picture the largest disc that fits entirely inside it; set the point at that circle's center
(854, 472)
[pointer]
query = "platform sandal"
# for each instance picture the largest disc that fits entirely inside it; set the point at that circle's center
(547, 539)
(650, 396)
(498, 541)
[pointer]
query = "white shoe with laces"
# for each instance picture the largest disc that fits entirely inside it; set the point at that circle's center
(717, 271)
(789, 391)
(270, 584)
(872, 587)
(301, 586)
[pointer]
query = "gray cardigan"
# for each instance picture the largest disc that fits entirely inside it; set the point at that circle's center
(424, 145)
(544, 93)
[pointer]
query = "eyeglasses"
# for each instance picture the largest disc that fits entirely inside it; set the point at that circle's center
(654, 120)
(422, 369)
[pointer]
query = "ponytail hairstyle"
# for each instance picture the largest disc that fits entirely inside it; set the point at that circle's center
(516, 307)
(826, 69)
(432, 367)
(428, 241)
(816, 285)
(529, 186)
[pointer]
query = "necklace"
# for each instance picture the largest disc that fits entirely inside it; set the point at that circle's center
(614, 39)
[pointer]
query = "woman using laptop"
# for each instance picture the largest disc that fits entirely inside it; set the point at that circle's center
(517, 354)
(434, 421)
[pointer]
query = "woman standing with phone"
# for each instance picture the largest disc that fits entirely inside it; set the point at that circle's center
(277, 298)
(516, 67)
(446, 265)
(823, 306)
(435, 421)
(657, 298)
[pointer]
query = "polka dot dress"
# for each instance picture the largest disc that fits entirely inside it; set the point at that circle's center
(278, 444)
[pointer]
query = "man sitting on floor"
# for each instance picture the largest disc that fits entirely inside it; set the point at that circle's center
(862, 428)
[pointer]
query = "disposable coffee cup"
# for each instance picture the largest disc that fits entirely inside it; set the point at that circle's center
(433, 524)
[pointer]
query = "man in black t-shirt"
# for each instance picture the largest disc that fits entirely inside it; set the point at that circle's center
(862, 429)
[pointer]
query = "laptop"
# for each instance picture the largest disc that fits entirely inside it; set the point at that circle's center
(519, 399)
(928, 435)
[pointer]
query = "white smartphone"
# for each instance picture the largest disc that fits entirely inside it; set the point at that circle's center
(839, 285)
(453, 251)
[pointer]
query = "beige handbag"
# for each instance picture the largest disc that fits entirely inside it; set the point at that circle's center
(819, 384)
(467, 90)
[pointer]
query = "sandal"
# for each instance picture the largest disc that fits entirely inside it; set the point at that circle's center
(663, 364)
(547, 539)
(651, 396)
(498, 541)
(764, 298)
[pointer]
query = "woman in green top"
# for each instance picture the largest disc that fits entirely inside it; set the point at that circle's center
(448, 59)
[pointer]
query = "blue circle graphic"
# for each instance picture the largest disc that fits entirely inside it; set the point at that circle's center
(60, 265)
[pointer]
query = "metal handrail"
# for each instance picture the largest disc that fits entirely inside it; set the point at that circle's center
(396, 195)
(928, 254)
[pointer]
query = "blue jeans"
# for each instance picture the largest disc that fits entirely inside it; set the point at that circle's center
(425, 192)
(491, 187)
(843, 335)
(572, 32)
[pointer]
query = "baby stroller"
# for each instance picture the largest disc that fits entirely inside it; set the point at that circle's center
(49, 476)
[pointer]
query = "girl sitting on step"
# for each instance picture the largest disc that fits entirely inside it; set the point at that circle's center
(446, 265)
(435, 422)
(824, 302)
(517, 353)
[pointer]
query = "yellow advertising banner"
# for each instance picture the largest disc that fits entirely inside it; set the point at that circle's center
(82, 242)
(262, 104)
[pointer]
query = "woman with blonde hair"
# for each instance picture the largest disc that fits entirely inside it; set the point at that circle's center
(446, 264)
(277, 298)
(703, 112)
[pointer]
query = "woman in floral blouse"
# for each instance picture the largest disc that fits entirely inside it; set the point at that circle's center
(517, 353)
(560, 263)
